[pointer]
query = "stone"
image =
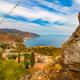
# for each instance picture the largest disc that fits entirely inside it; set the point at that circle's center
(79, 18)
(71, 49)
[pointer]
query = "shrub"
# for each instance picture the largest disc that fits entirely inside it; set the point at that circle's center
(10, 70)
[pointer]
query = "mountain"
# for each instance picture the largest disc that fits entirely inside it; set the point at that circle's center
(12, 35)
(72, 47)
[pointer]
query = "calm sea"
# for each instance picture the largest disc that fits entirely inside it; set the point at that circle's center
(49, 40)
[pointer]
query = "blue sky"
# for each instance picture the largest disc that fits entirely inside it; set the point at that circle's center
(43, 17)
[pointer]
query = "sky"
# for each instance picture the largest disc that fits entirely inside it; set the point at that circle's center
(43, 17)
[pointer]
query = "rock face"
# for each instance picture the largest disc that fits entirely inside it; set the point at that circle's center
(72, 47)
(79, 18)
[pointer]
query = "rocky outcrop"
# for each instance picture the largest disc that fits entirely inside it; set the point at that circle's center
(72, 47)
(79, 18)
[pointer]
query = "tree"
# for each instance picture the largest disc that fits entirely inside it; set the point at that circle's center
(20, 48)
(27, 57)
(1, 52)
(32, 59)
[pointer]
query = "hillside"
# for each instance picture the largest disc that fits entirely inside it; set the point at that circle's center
(46, 50)
(11, 35)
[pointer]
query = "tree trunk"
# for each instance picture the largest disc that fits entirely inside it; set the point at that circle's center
(19, 58)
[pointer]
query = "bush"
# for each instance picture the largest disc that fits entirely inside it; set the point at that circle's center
(10, 70)
(27, 63)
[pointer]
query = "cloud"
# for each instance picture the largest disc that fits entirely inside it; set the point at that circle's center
(32, 14)
(77, 1)
(36, 28)
(43, 17)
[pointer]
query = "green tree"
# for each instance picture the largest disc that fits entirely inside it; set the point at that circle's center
(32, 59)
(20, 48)
(27, 57)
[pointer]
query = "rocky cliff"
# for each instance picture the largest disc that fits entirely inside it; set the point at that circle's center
(72, 47)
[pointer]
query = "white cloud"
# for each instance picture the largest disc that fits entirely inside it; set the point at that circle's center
(36, 13)
(34, 28)
(31, 13)
(5, 7)
(77, 1)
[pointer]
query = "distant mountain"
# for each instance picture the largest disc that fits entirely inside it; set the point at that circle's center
(19, 33)
(11, 35)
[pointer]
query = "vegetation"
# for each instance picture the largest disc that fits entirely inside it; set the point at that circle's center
(46, 50)
(19, 48)
(32, 59)
(10, 70)
(29, 59)
(12, 56)
(56, 70)
(4, 46)
(1, 52)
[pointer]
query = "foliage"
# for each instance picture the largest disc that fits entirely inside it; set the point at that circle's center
(12, 56)
(29, 59)
(10, 70)
(27, 63)
(1, 51)
(32, 59)
(4, 46)
(53, 72)
(27, 55)
(56, 53)
(58, 66)
(19, 48)
(46, 50)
